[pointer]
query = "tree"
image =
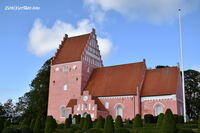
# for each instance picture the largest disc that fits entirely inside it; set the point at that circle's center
(38, 126)
(199, 123)
(9, 109)
(26, 122)
(118, 122)
(2, 111)
(50, 125)
(109, 126)
(137, 121)
(82, 122)
(160, 120)
(32, 123)
(67, 123)
(161, 66)
(1, 124)
(192, 93)
(87, 123)
(168, 124)
(100, 122)
(35, 102)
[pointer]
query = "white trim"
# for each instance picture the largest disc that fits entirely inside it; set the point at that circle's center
(65, 63)
(115, 97)
(92, 55)
(164, 97)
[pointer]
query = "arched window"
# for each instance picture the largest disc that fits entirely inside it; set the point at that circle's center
(65, 87)
(119, 110)
(158, 109)
(62, 112)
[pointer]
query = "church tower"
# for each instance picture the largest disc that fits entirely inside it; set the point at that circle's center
(71, 68)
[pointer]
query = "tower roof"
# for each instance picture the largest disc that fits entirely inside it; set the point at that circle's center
(71, 49)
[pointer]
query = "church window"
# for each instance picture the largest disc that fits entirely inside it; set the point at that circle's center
(118, 110)
(65, 69)
(158, 109)
(57, 69)
(62, 112)
(65, 87)
(107, 105)
(88, 69)
(74, 67)
(68, 112)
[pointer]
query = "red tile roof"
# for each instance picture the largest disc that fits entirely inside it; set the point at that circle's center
(160, 81)
(71, 49)
(100, 106)
(72, 102)
(116, 80)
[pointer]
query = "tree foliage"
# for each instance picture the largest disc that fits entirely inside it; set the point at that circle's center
(148, 118)
(100, 122)
(50, 125)
(87, 123)
(160, 120)
(192, 93)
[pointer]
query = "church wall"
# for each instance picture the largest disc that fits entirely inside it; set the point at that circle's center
(63, 87)
(148, 106)
(126, 102)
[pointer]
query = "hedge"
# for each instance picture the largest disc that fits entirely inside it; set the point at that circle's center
(118, 122)
(148, 118)
(109, 126)
(137, 121)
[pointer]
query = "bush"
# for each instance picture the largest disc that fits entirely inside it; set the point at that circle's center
(87, 123)
(50, 125)
(61, 126)
(118, 122)
(168, 124)
(137, 121)
(122, 130)
(7, 123)
(26, 122)
(26, 129)
(32, 123)
(199, 123)
(109, 126)
(95, 130)
(1, 124)
(10, 130)
(148, 118)
(160, 120)
(67, 123)
(100, 122)
(185, 131)
(77, 118)
(82, 122)
(38, 126)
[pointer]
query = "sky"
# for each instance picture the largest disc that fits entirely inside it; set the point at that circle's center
(127, 31)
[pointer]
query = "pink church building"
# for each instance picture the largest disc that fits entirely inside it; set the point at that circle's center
(80, 84)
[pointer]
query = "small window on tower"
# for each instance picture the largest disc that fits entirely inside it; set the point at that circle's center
(107, 105)
(65, 87)
(65, 69)
(57, 69)
(74, 67)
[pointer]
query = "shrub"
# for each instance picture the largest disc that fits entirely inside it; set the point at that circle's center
(61, 126)
(180, 119)
(122, 130)
(26, 122)
(95, 130)
(67, 123)
(109, 126)
(199, 123)
(100, 122)
(168, 124)
(26, 129)
(148, 118)
(7, 123)
(160, 120)
(77, 118)
(87, 123)
(10, 130)
(70, 119)
(32, 123)
(50, 125)
(1, 124)
(185, 131)
(38, 126)
(118, 122)
(137, 121)
(78, 131)
(82, 122)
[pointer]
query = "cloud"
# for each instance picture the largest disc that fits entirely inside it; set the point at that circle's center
(156, 11)
(43, 39)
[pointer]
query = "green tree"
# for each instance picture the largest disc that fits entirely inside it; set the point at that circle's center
(161, 66)
(87, 123)
(82, 122)
(109, 126)
(35, 102)
(50, 125)
(148, 118)
(192, 93)
(168, 124)
(160, 120)
(1, 124)
(100, 122)
(2, 111)
(32, 123)
(67, 123)
(137, 122)
(38, 126)
(118, 122)
(199, 123)
(26, 122)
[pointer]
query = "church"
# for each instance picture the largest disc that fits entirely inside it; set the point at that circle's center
(80, 84)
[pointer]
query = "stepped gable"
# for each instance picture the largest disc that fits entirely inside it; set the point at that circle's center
(162, 81)
(116, 80)
(71, 49)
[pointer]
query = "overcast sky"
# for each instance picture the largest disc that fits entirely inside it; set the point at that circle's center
(127, 31)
